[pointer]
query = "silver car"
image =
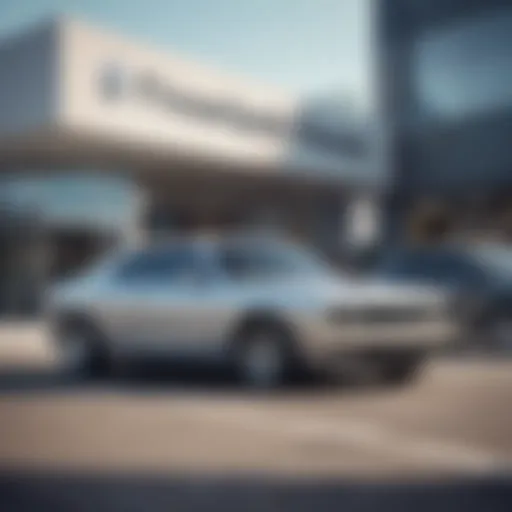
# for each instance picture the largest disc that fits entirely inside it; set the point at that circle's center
(266, 307)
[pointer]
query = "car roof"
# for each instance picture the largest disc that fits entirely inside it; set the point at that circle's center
(210, 241)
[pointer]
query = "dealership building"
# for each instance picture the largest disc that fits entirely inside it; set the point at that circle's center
(104, 140)
(446, 105)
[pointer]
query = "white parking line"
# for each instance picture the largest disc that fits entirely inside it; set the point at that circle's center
(364, 435)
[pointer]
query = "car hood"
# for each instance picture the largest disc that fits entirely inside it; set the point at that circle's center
(367, 291)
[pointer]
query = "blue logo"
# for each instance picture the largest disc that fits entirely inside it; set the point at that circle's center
(113, 81)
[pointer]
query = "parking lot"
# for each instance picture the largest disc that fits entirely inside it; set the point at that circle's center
(456, 420)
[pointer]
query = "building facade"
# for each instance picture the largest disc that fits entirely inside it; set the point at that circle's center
(445, 71)
(109, 140)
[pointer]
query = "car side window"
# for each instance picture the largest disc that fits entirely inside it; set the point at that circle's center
(154, 266)
(249, 263)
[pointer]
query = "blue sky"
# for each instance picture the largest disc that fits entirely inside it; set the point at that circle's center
(306, 46)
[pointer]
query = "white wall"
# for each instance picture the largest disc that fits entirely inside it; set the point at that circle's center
(88, 52)
(55, 75)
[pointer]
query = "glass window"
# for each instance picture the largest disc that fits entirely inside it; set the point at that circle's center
(240, 263)
(465, 68)
(65, 198)
(159, 265)
(269, 261)
(337, 142)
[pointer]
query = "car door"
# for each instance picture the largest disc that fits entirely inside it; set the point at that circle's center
(192, 304)
(151, 300)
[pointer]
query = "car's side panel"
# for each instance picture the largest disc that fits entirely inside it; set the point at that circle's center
(200, 315)
(189, 318)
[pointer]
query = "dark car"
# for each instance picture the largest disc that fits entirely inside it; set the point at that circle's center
(479, 275)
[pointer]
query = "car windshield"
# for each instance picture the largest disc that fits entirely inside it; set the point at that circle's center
(301, 260)
(259, 260)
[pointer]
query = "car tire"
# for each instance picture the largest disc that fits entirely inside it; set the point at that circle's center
(263, 357)
(81, 351)
(499, 334)
(402, 371)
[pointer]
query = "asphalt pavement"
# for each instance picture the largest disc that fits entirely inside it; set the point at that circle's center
(192, 425)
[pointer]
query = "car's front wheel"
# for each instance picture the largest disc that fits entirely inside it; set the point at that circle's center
(401, 370)
(498, 336)
(263, 357)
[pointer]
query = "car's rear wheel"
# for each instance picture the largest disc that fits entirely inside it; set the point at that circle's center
(80, 351)
(263, 357)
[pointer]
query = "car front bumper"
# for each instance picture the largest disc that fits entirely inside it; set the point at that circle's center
(320, 342)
